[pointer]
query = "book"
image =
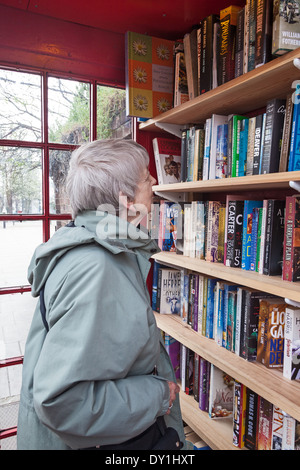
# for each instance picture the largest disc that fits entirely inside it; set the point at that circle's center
(286, 134)
(263, 34)
(219, 313)
(243, 147)
(275, 113)
(277, 428)
(169, 291)
(212, 227)
(156, 267)
(221, 152)
(204, 384)
(291, 243)
(236, 126)
(207, 143)
(239, 414)
(270, 341)
(181, 94)
(216, 121)
(250, 146)
(234, 233)
(231, 320)
(239, 43)
(228, 23)
(206, 68)
(273, 255)
(183, 169)
(149, 75)
(289, 432)
(251, 424)
(252, 34)
(167, 154)
(294, 157)
(291, 357)
(247, 231)
(191, 62)
(184, 295)
(169, 213)
(258, 139)
(285, 37)
(250, 303)
(173, 349)
(265, 418)
(210, 302)
(220, 394)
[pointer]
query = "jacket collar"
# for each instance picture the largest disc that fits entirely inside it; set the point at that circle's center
(116, 234)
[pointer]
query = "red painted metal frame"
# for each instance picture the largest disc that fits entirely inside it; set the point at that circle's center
(10, 432)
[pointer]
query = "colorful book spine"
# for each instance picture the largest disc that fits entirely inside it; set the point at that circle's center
(291, 362)
(291, 246)
(294, 158)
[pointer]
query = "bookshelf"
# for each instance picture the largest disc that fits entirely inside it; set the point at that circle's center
(241, 95)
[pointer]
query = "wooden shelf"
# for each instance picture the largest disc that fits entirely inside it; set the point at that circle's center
(217, 434)
(268, 383)
(241, 95)
(242, 183)
(271, 284)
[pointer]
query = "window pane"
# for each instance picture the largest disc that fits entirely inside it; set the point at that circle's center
(20, 180)
(20, 106)
(16, 311)
(59, 167)
(18, 241)
(68, 111)
(112, 121)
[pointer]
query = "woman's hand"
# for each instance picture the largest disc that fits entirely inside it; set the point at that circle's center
(174, 389)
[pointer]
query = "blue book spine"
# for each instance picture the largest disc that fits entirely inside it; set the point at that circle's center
(156, 267)
(227, 288)
(294, 158)
(247, 232)
(243, 147)
(211, 284)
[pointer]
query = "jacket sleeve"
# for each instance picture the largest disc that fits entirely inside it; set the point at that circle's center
(92, 382)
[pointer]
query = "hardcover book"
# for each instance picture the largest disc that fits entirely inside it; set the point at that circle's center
(228, 23)
(149, 75)
(220, 394)
(263, 36)
(291, 358)
(206, 66)
(286, 34)
(291, 244)
(167, 154)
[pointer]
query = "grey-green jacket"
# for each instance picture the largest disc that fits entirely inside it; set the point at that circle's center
(88, 381)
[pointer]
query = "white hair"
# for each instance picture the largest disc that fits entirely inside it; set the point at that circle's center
(101, 169)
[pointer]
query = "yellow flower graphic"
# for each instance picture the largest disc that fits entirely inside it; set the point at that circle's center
(139, 47)
(163, 52)
(140, 75)
(140, 102)
(163, 105)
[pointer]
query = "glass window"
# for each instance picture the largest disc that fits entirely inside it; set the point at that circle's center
(20, 180)
(68, 111)
(58, 170)
(18, 240)
(112, 121)
(20, 106)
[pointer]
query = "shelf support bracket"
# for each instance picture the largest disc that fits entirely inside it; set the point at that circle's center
(174, 129)
(294, 303)
(173, 197)
(295, 185)
(296, 63)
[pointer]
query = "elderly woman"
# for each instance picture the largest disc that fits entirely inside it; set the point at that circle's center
(95, 373)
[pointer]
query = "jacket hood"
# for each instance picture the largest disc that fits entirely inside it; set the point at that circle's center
(112, 233)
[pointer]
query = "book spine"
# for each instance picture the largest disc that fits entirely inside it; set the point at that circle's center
(291, 363)
(294, 158)
(252, 32)
(207, 149)
(272, 138)
(183, 155)
(251, 420)
(239, 51)
(257, 143)
(286, 134)
(287, 268)
(263, 36)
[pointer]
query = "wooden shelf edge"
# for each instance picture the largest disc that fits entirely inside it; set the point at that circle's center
(241, 95)
(268, 383)
(218, 434)
(241, 183)
(271, 284)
